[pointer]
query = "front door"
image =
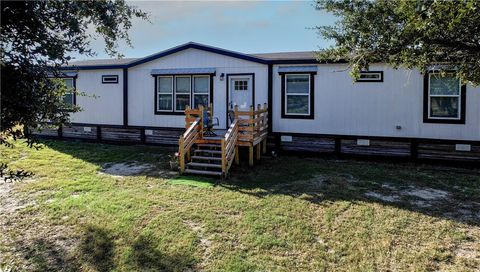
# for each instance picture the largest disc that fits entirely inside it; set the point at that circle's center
(240, 92)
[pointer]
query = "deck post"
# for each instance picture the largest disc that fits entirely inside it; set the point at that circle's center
(224, 159)
(250, 155)
(237, 156)
(264, 142)
(181, 154)
(258, 150)
(201, 121)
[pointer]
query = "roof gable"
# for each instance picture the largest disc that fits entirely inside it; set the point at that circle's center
(199, 47)
(127, 63)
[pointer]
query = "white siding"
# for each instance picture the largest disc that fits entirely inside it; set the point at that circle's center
(374, 109)
(102, 103)
(141, 85)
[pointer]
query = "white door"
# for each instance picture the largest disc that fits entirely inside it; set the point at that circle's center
(240, 92)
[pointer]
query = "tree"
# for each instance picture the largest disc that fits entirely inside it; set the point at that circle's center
(37, 37)
(406, 33)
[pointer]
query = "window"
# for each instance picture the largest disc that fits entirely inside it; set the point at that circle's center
(175, 92)
(370, 76)
(69, 97)
(444, 99)
(240, 85)
(182, 93)
(110, 79)
(165, 93)
(201, 91)
(297, 96)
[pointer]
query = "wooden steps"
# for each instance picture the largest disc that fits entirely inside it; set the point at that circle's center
(206, 160)
(203, 172)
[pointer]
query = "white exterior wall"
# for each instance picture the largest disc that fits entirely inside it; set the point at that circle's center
(102, 103)
(373, 108)
(141, 85)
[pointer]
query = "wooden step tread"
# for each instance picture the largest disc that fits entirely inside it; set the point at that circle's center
(203, 172)
(199, 164)
(208, 151)
(206, 158)
(209, 145)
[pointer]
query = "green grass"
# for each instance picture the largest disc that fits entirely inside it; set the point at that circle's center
(285, 214)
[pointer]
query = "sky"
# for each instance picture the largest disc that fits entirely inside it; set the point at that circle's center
(243, 26)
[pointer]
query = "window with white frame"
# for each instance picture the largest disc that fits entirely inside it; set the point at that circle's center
(444, 97)
(201, 91)
(182, 92)
(175, 92)
(69, 97)
(165, 93)
(297, 94)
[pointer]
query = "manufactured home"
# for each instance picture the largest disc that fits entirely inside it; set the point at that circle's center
(289, 98)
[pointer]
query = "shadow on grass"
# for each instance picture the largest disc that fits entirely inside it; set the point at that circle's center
(97, 248)
(147, 257)
(128, 158)
(320, 181)
(46, 255)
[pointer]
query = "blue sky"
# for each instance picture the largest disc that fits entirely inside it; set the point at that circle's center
(244, 26)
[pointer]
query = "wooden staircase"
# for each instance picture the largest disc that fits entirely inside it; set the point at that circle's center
(206, 155)
(206, 160)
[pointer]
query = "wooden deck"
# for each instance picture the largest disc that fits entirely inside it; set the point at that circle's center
(248, 129)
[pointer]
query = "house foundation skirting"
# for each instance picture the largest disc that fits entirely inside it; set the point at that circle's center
(413, 149)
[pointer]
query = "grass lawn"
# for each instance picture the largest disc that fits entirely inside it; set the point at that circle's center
(95, 207)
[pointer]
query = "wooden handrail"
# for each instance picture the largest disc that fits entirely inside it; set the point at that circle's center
(186, 142)
(228, 144)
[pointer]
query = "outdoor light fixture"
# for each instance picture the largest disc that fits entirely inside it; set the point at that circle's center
(222, 76)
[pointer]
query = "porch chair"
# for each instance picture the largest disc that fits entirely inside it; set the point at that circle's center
(208, 123)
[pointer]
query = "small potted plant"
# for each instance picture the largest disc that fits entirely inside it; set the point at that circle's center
(174, 161)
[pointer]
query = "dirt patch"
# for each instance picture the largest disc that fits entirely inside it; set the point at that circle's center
(50, 246)
(426, 193)
(386, 198)
(126, 168)
(205, 242)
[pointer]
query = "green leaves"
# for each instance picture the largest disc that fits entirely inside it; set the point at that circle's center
(36, 38)
(406, 33)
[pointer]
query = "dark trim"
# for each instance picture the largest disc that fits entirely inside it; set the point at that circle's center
(142, 135)
(270, 97)
(121, 126)
(93, 67)
(312, 96)
(109, 82)
(414, 149)
(125, 97)
(199, 47)
(173, 112)
(399, 139)
(228, 91)
(338, 146)
(371, 72)
(211, 90)
(305, 61)
(74, 90)
(463, 98)
(99, 133)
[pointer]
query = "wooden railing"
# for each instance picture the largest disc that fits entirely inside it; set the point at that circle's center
(229, 147)
(186, 142)
(253, 124)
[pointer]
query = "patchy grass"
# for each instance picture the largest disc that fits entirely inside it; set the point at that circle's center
(81, 212)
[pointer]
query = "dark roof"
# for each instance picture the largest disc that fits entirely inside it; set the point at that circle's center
(302, 55)
(265, 58)
(95, 62)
